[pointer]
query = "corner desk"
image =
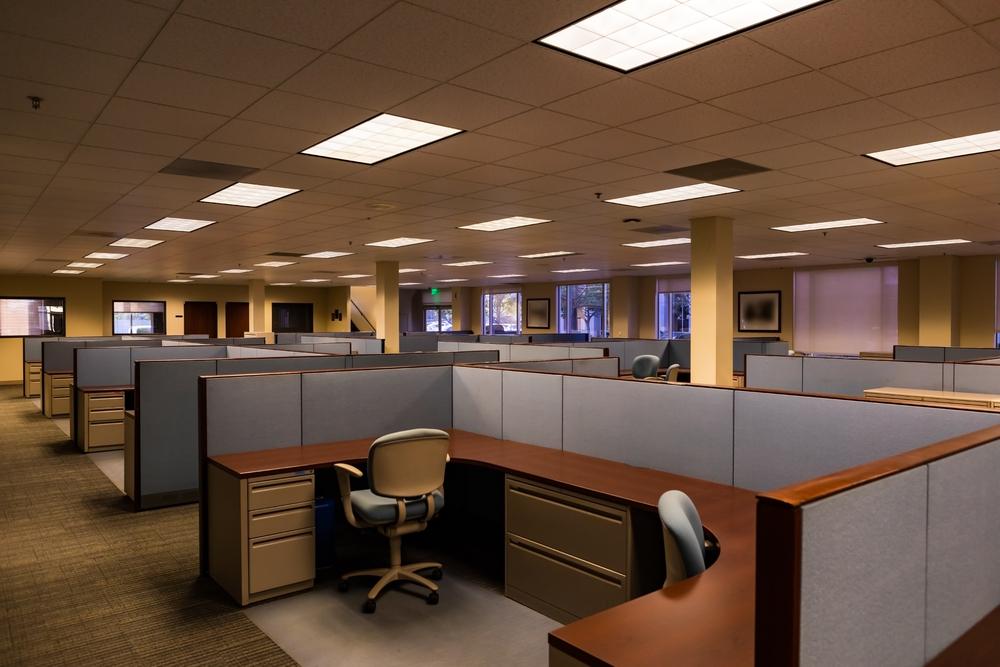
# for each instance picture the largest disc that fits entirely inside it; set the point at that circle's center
(256, 541)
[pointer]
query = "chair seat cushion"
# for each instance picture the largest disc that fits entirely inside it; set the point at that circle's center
(376, 510)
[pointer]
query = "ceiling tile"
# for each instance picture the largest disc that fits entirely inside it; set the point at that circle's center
(118, 159)
(34, 148)
(525, 19)
(261, 135)
(671, 157)
(138, 115)
(697, 120)
(211, 151)
(542, 127)
(358, 83)
(840, 167)
(188, 90)
(793, 156)
(605, 172)
(456, 107)
(789, 97)
(28, 123)
(479, 147)
(305, 113)
(138, 141)
(619, 101)
(494, 175)
(965, 92)
(973, 11)
(311, 165)
(991, 32)
(973, 121)
(422, 162)
(854, 117)
(893, 136)
(547, 160)
(56, 64)
(609, 144)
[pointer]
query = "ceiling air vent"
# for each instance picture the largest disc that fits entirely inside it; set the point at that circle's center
(100, 235)
(709, 172)
(659, 229)
(202, 169)
(286, 254)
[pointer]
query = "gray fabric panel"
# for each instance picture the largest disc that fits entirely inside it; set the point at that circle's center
(766, 372)
(779, 347)
(106, 366)
(585, 353)
(504, 350)
(277, 364)
(564, 366)
(402, 359)
(863, 578)
(963, 540)
(296, 347)
(249, 413)
(447, 346)
(32, 348)
(478, 400)
(532, 408)
(476, 356)
(948, 376)
(168, 419)
(991, 362)
(192, 352)
(970, 353)
(852, 376)
(602, 366)
(504, 339)
(286, 338)
(623, 421)
(977, 378)
(346, 405)
(634, 348)
(917, 353)
(415, 342)
(615, 348)
(559, 338)
(57, 356)
(538, 352)
(332, 348)
(783, 439)
(679, 352)
(741, 348)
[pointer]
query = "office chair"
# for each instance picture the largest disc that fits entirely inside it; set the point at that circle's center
(645, 366)
(683, 536)
(672, 371)
(406, 477)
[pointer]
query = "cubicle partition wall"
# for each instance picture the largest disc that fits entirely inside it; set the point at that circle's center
(887, 563)
(934, 353)
(594, 366)
(359, 344)
(523, 352)
(678, 351)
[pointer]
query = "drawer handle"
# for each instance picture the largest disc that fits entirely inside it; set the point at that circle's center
(562, 560)
(610, 515)
(279, 483)
(275, 513)
(278, 540)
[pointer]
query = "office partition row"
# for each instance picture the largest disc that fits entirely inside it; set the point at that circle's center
(524, 351)
(421, 341)
(678, 351)
(596, 366)
(935, 353)
(359, 344)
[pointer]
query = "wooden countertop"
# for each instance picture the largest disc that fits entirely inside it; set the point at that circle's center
(111, 387)
(936, 397)
(708, 619)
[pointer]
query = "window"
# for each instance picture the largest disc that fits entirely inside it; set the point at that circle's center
(673, 314)
(502, 312)
(32, 316)
(291, 317)
(437, 318)
(846, 311)
(139, 317)
(584, 309)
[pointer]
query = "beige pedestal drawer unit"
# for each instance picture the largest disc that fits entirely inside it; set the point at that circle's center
(31, 381)
(57, 387)
(263, 533)
(100, 420)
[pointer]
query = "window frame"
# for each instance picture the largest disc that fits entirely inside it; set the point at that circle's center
(606, 285)
(487, 324)
(670, 294)
(438, 309)
(128, 333)
(38, 298)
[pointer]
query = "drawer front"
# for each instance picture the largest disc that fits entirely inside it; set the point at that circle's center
(282, 562)
(275, 493)
(60, 392)
(105, 402)
(559, 582)
(115, 415)
(34, 388)
(281, 521)
(60, 406)
(65, 381)
(593, 532)
(106, 435)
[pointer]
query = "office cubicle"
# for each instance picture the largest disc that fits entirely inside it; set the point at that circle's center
(940, 354)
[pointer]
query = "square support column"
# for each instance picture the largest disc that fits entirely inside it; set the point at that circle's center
(939, 299)
(387, 304)
(257, 301)
(712, 301)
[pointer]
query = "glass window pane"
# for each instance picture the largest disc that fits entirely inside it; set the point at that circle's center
(21, 316)
(584, 309)
(445, 319)
(431, 321)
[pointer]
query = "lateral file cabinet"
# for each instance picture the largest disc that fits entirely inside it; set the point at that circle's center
(262, 532)
(568, 555)
(100, 420)
(32, 379)
(57, 388)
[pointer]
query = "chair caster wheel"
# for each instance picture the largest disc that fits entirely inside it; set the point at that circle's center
(432, 598)
(368, 607)
(436, 574)
(342, 585)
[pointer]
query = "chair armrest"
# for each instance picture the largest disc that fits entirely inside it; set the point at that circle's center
(354, 472)
(344, 474)
(447, 458)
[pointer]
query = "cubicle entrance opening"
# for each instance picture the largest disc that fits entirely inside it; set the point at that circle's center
(237, 318)
(201, 317)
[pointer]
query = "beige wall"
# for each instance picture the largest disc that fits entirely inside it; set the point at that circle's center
(767, 280)
(977, 301)
(908, 313)
(539, 291)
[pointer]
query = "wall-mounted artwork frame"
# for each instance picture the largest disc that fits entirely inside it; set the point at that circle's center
(759, 312)
(536, 313)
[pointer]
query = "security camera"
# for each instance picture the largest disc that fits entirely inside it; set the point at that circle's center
(869, 260)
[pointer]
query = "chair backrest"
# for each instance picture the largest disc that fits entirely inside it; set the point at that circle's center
(672, 371)
(408, 464)
(645, 365)
(683, 536)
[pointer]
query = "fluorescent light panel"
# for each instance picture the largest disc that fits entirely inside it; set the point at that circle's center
(236, 271)
(380, 138)
(317, 280)
(504, 223)
(920, 244)
(833, 224)
(180, 280)
(508, 275)
(940, 150)
(398, 242)
(471, 262)
(274, 265)
(572, 270)
(356, 275)
(649, 264)
(454, 280)
(326, 254)
(772, 255)
(71, 272)
(410, 270)
(84, 265)
(658, 244)
(250, 195)
(135, 243)
(540, 255)
(280, 284)
(683, 193)
(407, 284)
(106, 255)
(634, 33)
(205, 275)
(179, 224)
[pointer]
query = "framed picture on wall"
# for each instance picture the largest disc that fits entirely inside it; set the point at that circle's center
(760, 312)
(536, 313)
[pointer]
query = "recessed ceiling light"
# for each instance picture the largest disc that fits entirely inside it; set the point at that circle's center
(772, 255)
(356, 275)
(106, 255)
(454, 280)
(136, 243)
(71, 272)
(633, 33)
(504, 223)
(179, 224)
(180, 280)
(410, 270)
(659, 243)
(683, 193)
(833, 224)
(649, 264)
(508, 275)
(939, 150)
(398, 242)
(407, 284)
(236, 271)
(326, 254)
(205, 275)
(471, 262)
(540, 255)
(250, 195)
(281, 284)
(84, 265)
(918, 244)
(317, 280)
(380, 138)
(274, 265)
(572, 270)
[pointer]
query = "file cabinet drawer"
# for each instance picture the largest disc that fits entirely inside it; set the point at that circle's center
(60, 405)
(281, 521)
(106, 402)
(282, 562)
(277, 492)
(106, 415)
(592, 531)
(558, 581)
(34, 387)
(106, 435)
(62, 382)
(60, 392)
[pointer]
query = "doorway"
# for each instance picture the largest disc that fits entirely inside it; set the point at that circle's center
(201, 317)
(237, 318)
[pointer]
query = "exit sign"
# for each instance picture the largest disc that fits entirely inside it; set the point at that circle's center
(434, 291)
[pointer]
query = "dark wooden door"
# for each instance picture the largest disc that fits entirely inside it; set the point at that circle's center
(237, 318)
(201, 317)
